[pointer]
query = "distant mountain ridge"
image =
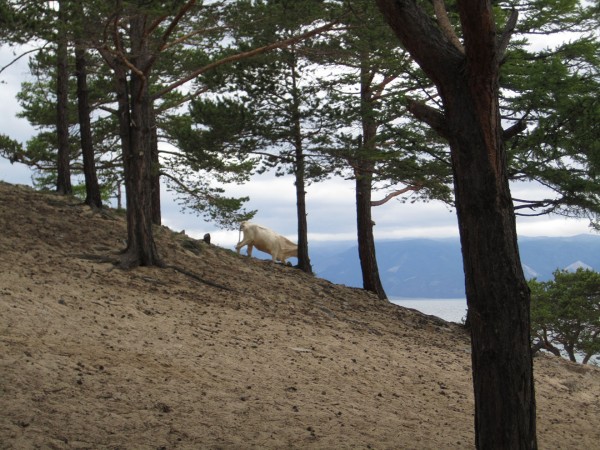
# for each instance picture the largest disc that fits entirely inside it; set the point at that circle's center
(432, 268)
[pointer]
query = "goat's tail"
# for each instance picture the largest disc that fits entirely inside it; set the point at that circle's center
(240, 233)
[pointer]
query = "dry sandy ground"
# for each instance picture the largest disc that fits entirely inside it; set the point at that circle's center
(93, 357)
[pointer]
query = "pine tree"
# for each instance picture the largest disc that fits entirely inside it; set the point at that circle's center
(368, 134)
(467, 77)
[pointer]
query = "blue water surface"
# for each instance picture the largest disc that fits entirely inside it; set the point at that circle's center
(451, 309)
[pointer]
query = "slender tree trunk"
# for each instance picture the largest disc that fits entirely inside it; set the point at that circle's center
(92, 188)
(303, 258)
(119, 196)
(156, 213)
(122, 90)
(124, 119)
(497, 293)
(571, 352)
(63, 181)
(366, 240)
(364, 187)
(546, 345)
(299, 171)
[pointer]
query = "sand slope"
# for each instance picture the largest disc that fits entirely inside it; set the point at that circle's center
(255, 356)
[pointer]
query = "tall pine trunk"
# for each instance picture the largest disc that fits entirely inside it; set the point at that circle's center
(366, 240)
(467, 79)
(497, 293)
(141, 248)
(303, 257)
(300, 173)
(364, 186)
(63, 166)
(93, 197)
(155, 169)
(135, 125)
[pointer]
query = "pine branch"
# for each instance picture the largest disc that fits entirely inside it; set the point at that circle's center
(513, 130)
(414, 187)
(248, 54)
(445, 25)
(507, 33)
(430, 116)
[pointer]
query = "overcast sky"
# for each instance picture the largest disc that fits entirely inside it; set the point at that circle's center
(331, 207)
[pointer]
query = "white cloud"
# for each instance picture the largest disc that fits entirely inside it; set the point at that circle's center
(539, 42)
(14, 173)
(552, 226)
(10, 79)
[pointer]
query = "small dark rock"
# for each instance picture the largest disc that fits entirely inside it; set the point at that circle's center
(163, 407)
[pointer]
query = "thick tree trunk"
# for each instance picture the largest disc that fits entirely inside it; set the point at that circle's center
(63, 180)
(93, 197)
(141, 248)
(497, 293)
(137, 129)
(135, 122)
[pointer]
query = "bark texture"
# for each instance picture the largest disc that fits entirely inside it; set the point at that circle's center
(366, 240)
(63, 176)
(363, 173)
(137, 156)
(93, 197)
(300, 178)
(497, 293)
(136, 122)
(155, 168)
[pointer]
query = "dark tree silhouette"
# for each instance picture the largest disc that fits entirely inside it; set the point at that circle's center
(467, 78)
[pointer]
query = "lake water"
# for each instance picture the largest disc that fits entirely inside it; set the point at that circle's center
(453, 310)
(450, 309)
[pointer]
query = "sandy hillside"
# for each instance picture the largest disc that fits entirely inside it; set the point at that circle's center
(227, 353)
